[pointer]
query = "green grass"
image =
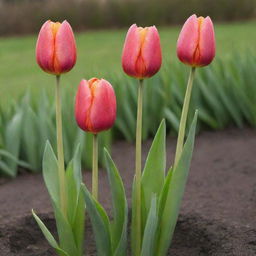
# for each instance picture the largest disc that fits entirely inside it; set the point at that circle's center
(99, 54)
(224, 93)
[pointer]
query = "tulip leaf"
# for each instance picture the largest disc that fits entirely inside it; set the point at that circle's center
(78, 223)
(134, 210)
(164, 191)
(73, 183)
(31, 139)
(100, 224)
(8, 155)
(120, 208)
(13, 139)
(6, 169)
(49, 236)
(71, 193)
(50, 173)
(77, 167)
(65, 232)
(175, 193)
(76, 204)
(154, 171)
(149, 237)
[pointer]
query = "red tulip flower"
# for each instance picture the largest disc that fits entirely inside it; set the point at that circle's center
(56, 47)
(95, 107)
(196, 43)
(142, 55)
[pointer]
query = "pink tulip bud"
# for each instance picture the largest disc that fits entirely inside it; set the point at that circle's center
(196, 43)
(95, 107)
(142, 55)
(56, 47)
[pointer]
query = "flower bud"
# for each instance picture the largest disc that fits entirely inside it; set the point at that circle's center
(95, 106)
(142, 55)
(196, 43)
(56, 47)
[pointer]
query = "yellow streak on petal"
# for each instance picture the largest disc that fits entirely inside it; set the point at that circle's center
(92, 85)
(140, 66)
(55, 27)
(197, 54)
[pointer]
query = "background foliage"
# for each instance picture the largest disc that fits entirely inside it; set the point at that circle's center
(91, 14)
(224, 93)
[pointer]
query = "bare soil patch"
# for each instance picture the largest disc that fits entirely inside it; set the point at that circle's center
(218, 215)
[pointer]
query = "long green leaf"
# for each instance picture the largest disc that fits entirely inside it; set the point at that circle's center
(50, 173)
(65, 232)
(8, 155)
(100, 224)
(76, 204)
(120, 208)
(49, 237)
(154, 172)
(12, 139)
(134, 210)
(78, 223)
(30, 136)
(175, 193)
(149, 236)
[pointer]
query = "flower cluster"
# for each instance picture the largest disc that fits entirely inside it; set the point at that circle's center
(157, 194)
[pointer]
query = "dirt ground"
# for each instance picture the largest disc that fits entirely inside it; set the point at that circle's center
(218, 215)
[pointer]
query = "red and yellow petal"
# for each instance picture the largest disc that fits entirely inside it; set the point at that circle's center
(103, 109)
(83, 104)
(151, 52)
(45, 47)
(65, 49)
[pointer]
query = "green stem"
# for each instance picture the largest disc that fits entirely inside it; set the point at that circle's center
(184, 115)
(61, 168)
(138, 170)
(95, 167)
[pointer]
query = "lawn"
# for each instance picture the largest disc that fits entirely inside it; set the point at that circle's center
(99, 54)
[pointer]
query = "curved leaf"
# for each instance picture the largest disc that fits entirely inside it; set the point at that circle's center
(175, 193)
(149, 237)
(154, 171)
(50, 173)
(120, 209)
(49, 237)
(100, 224)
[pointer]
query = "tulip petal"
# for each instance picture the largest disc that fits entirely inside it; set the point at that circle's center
(83, 104)
(131, 50)
(206, 42)
(188, 40)
(45, 47)
(65, 49)
(151, 52)
(103, 109)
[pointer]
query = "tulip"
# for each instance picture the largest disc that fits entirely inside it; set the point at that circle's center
(142, 55)
(56, 54)
(142, 58)
(56, 47)
(95, 111)
(95, 107)
(196, 43)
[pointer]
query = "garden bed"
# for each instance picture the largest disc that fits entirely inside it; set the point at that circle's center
(217, 215)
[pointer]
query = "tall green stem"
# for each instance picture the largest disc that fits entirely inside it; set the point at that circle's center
(138, 170)
(61, 167)
(184, 115)
(95, 167)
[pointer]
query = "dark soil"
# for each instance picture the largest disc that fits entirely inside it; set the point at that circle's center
(218, 215)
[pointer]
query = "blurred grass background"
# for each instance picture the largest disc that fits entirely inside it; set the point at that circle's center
(99, 54)
(25, 16)
(224, 92)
